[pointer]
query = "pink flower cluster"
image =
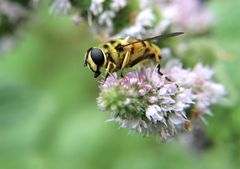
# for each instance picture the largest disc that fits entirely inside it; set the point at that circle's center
(148, 103)
(187, 14)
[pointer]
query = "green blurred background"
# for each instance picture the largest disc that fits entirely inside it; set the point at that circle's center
(48, 113)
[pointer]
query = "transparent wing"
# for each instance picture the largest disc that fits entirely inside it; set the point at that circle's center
(159, 37)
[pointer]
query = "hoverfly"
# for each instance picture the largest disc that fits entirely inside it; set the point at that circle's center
(119, 54)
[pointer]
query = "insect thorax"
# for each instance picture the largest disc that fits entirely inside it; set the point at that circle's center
(113, 51)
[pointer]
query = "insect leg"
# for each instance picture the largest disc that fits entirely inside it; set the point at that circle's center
(157, 58)
(107, 70)
(110, 67)
(125, 62)
(121, 74)
(158, 69)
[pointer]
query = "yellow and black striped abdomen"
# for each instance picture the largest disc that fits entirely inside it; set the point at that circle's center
(143, 50)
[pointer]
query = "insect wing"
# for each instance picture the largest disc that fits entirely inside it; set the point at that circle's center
(159, 37)
(164, 36)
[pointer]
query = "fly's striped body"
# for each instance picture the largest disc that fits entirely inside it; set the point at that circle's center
(118, 54)
(136, 52)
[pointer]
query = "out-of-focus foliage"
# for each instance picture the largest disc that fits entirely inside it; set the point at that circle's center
(48, 113)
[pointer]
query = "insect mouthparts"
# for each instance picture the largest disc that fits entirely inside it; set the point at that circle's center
(96, 74)
(85, 63)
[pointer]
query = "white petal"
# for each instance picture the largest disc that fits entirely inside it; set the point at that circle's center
(176, 119)
(153, 113)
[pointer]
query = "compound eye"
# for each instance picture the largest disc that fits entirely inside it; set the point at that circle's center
(97, 56)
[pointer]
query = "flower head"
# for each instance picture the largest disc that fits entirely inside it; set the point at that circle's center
(101, 16)
(13, 11)
(12, 15)
(61, 7)
(147, 102)
(192, 14)
(204, 89)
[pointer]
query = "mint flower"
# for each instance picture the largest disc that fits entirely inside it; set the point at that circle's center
(60, 7)
(96, 7)
(121, 18)
(13, 11)
(12, 15)
(205, 90)
(145, 102)
(144, 20)
(192, 13)
(101, 16)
